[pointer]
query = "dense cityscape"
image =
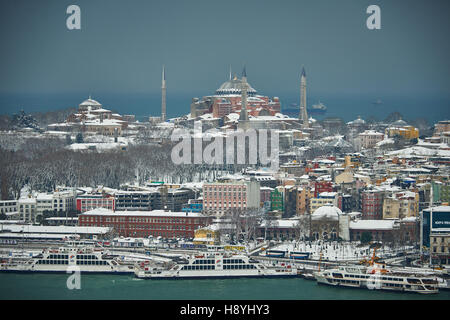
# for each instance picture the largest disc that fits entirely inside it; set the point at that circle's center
(233, 151)
(353, 192)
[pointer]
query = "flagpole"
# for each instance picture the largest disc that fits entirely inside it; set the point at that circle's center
(431, 215)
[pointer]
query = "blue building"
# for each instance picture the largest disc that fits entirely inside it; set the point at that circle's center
(193, 206)
(440, 223)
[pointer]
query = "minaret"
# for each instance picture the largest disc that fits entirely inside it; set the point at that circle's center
(303, 114)
(243, 118)
(163, 95)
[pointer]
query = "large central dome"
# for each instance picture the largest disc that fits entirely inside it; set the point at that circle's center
(233, 86)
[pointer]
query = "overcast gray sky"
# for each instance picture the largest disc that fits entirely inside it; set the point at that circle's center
(122, 45)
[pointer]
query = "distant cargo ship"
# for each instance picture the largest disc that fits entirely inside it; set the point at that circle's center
(378, 101)
(316, 109)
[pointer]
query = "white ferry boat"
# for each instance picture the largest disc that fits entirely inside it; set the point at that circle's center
(86, 259)
(377, 277)
(214, 265)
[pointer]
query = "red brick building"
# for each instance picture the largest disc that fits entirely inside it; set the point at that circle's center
(322, 186)
(155, 223)
(372, 205)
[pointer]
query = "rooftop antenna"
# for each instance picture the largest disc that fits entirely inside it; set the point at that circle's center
(230, 71)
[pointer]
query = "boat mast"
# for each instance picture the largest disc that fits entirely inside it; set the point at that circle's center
(320, 259)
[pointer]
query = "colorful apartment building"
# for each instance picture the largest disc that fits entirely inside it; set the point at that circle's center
(322, 186)
(369, 138)
(372, 204)
(221, 198)
(402, 129)
(323, 199)
(304, 195)
(401, 205)
(277, 200)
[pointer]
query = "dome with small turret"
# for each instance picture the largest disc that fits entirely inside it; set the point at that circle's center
(233, 86)
(399, 123)
(327, 212)
(89, 104)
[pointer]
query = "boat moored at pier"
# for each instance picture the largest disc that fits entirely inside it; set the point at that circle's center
(83, 259)
(214, 265)
(378, 277)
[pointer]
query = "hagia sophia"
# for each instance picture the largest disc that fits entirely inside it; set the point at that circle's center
(236, 104)
(228, 99)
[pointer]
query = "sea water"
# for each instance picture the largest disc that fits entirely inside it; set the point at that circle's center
(142, 105)
(31, 286)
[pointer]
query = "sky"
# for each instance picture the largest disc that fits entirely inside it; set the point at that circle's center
(122, 46)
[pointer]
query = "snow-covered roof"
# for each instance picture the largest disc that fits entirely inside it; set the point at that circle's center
(372, 224)
(280, 223)
(233, 86)
(254, 99)
(410, 219)
(97, 146)
(357, 121)
(326, 161)
(55, 229)
(37, 235)
(212, 227)
(439, 209)
(193, 185)
(406, 194)
(371, 133)
(399, 123)
(233, 116)
(385, 187)
(100, 110)
(119, 192)
(105, 122)
(153, 213)
(422, 143)
(419, 151)
(277, 116)
(90, 102)
(44, 196)
(327, 194)
(326, 212)
(208, 116)
(415, 170)
(360, 176)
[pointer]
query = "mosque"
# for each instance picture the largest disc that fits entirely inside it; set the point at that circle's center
(228, 99)
(236, 104)
(92, 117)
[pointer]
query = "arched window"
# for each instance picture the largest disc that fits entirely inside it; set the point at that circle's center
(333, 234)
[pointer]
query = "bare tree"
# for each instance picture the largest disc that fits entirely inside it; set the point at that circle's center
(302, 227)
